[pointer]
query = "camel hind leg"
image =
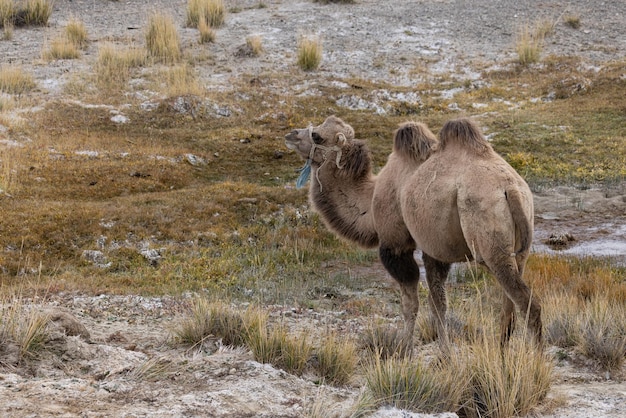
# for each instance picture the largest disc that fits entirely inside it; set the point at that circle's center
(403, 268)
(436, 275)
(507, 318)
(508, 272)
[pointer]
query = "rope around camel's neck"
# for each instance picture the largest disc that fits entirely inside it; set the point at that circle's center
(306, 170)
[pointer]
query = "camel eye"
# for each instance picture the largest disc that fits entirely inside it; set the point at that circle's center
(316, 138)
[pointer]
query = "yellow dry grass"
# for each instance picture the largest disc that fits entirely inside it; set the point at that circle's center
(162, 39)
(309, 55)
(212, 12)
(14, 80)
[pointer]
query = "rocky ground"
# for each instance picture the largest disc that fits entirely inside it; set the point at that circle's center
(120, 362)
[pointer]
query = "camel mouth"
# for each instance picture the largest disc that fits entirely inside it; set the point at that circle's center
(293, 142)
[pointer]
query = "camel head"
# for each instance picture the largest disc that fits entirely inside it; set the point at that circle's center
(316, 142)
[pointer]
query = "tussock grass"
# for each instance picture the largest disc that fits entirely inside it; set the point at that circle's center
(7, 32)
(384, 342)
(14, 80)
(181, 80)
(255, 44)
(61, 48)
(7, 12)
(114, 64)
(544, 28)
(154, 369)
(23, 331)
(274, 345)
(508, 382)
(207, 33)
(162, 39)
(573, 21)
(76, 32)
(207, 319)
(266, 343)
(296, 353)
(528, 45)
(603, 333)
(34, 13)
(68, 44)
(309, 55)
(411, 384)
(6, 103)
(212, 12)
(562, 318)
(337, 359)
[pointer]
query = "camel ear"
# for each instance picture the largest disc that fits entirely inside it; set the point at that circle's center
(341, 139)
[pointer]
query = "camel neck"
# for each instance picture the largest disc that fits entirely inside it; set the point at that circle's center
(343, 198)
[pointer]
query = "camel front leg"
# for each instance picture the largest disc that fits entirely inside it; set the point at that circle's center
(410, 307)
(401, 264)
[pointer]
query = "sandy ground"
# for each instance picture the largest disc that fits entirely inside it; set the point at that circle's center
(111, 373)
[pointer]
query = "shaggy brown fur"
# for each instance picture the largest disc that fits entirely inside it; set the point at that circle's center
(405, 142)
(342, 196)
(456, 201)
(465, 133)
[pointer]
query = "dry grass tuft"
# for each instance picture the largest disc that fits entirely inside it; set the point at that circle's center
(337, 359)
(181, 80)
(207, 33)
(603, 333)
(6, 103)
(544, 28)
(210, 11)
(61, 48)
(266, 342)
(69, 43)
(410, 384)
(384, 342)
(561, 314)
(13, 80)
(255, 44)
(216, 320)
(573, 21)
(528, 45)
(114, 64)
(509, 382)
(309, 53)
(34, 13)
(162, 39)
(23, 331)
(76, 32)
(155, 369)
(7, 12)
(7, 32)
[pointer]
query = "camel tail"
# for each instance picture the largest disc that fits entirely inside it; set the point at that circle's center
(414, 140)
(465, 133)
(523, 225)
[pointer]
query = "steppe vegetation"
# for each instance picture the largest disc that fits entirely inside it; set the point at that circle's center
(182, 201)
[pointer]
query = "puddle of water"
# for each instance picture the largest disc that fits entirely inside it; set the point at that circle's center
(607, 240)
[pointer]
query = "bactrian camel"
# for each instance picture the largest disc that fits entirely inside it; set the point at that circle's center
(454, 198)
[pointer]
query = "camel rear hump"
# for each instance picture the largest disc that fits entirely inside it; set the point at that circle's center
(414, 140)
(465, 133)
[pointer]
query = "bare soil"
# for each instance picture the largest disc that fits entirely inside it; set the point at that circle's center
(122, 364)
